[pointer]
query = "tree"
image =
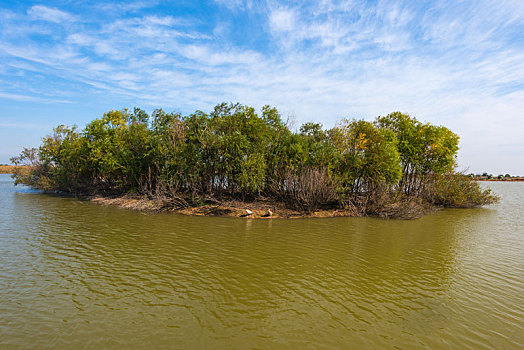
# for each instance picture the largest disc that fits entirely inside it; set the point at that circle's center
(424, 149)
(366, 155)
(234, 152)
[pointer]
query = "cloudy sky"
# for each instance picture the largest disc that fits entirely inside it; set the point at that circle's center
(454, 63)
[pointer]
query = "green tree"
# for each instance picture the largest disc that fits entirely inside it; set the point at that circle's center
(424, 149)
(367, 156)
(234, 152)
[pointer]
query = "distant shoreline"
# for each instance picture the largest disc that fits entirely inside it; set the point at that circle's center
(10, 169)
(507, 179)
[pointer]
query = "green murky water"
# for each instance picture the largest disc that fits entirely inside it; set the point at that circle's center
(77, 275)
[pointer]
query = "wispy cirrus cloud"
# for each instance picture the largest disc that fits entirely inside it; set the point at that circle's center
(458, 64)
(18, 97)
(41, 12)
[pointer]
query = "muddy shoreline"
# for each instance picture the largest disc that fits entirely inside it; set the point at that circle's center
(263, 208)
(230, 208)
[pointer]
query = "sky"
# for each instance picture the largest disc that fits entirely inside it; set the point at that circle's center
(454, 63)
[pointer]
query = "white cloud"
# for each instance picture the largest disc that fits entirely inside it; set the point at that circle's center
(282, 20)
(127, 6)
(323, 62)
(243, 5)
(49, 14)
(25, 98)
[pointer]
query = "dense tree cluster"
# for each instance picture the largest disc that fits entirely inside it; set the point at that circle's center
(233, 152)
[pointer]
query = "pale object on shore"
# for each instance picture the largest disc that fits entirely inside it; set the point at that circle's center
(269, 214)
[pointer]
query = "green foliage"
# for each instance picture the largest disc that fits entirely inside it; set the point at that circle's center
(236, 152)
(366, 155)
(458, 191)
(29, 157)
(424, 149)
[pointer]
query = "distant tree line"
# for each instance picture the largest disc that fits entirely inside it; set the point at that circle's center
(235, 152)
(488, 176)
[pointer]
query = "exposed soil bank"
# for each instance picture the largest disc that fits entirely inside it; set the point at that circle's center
(233, 208)
(260, 209)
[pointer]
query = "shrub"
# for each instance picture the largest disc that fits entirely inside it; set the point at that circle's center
(458, 191)
(309, 189)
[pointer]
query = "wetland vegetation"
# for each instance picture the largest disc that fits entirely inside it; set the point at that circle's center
(395, 166)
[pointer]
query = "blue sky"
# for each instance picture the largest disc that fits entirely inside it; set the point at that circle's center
(455, 63)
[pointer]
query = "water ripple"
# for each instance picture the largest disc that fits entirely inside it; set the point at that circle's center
(74, 274)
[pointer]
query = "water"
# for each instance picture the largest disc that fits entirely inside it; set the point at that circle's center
(74, 274)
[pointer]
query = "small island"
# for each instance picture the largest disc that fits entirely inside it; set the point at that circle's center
(236, 162)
